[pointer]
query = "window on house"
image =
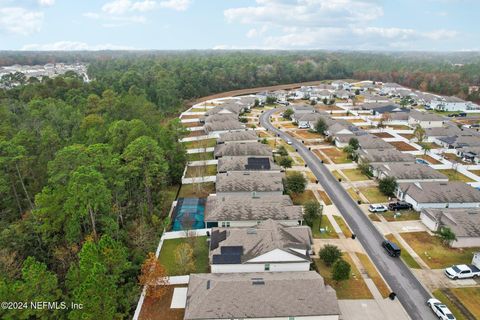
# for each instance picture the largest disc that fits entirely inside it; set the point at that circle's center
(267, 266)
(225, 224)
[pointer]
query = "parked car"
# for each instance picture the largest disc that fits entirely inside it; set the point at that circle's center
(399, 205)
(377, 208)
(453, 115)
(289, 141)
(462, 114)
(440, 310)
(392, 249)
(462, 271)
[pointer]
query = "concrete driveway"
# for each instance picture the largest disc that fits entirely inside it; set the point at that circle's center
(410, 291)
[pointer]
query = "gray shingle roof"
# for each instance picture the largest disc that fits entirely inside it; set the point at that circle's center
(224, 126)
(369, 141)
(240, 163)
(220, 117)
(247, 208)
(245, 181)
(425, 116)
(441, 192)
(259, 295)
(385, 155)
(265, 237)
(242, 149)
(463, 222)
(410, 171)
(247, 135)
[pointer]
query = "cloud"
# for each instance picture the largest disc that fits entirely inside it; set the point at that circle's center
(110, 21)
(19, 21)
(126, 6)
(327, 24)
(72, 46)
(46, 3)
(178, 5)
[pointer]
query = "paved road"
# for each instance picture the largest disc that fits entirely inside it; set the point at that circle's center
(409, 290)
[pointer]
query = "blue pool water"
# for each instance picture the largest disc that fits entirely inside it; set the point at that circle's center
(189, 213)
(421, 161)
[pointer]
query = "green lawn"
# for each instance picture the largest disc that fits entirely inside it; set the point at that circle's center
(201, 171)
(353, 288)
(440, 295)
(167, 255)
(354, 174)
(205, 143)
(329, 231)
(454, 175)
(373, 195)
(403, 215)
(302, 198)
(196, 190)
(343, 225)
(434, 253)
(407, 258)
(202, 156)
(469, 297)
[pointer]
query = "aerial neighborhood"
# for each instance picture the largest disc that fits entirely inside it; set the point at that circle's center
(271, 225)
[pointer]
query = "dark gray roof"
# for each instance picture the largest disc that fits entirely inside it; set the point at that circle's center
(425, 116)
(248, 207)
(446, 130)
(245, 181)
(410, 171)
(224, 126)
(385, 155)
(247, 135)
(441, 192)
(246, 163)
(220, 117)
(259, 295)
(463, 222)
(460, 141)
(369, 141)
(242, 149)
(263, 238)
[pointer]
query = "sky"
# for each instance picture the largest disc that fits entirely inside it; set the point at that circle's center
(388, 25)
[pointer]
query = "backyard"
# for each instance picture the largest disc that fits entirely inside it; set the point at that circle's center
(201, 171)
(454, 175)
(429, 159)
(196, 190)
(154, 308)
(302, 198)
(205, 143)
(201, 156)
(383, 135)
(402, 146)
(353, 288)
(434, 253)
(167, 254)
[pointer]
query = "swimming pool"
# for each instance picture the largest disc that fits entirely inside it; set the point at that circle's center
(421, 161)
(189, 213)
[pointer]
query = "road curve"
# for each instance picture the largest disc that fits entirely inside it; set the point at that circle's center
(409, 290)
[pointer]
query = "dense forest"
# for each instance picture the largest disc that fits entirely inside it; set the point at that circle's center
(88, 170)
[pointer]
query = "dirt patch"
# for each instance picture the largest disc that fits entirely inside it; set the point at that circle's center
(402, 146)
(408, 135)
(159, 308)
(191, 124)
(383, 135)
(196, 133)
(189, 116)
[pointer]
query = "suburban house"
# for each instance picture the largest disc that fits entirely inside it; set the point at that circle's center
(425, 119)
(267, 247)
(369, 141)
(424, 98)
(344, 94)
(465, 223)
(219, 117)
(339, 85)
(469, 154)
(390, 88)
(407, 172)
(247, 163)
(261, 295)
(459, 141)
(338, 129)
(248, 210)
(302, 109)
(453, 194)
(397, 118)
(218, 127)
(321, 94)
(307, 120)
(218, 110)
(447, 130)
(381, 108)
(246, 182)
(374, 98)
(238, 136)
(241, 149)
(379, 156)
(452, 104)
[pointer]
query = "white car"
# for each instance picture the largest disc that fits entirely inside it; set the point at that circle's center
(440, 309)
(289, 141)
(377, 208)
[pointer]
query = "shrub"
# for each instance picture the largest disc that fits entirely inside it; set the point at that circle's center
(329, 254)
(341, 270)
